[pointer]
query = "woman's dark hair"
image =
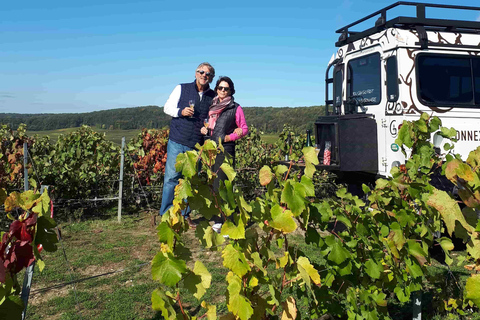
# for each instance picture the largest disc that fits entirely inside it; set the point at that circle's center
(227, 80)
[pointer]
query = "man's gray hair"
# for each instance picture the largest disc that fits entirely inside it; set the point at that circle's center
(209, 66)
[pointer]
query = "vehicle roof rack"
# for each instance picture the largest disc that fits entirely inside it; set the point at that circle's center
(418, 22)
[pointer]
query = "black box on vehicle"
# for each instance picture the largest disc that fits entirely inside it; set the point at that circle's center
(353, 142)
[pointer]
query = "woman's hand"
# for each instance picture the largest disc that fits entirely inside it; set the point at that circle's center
(204, 131)
(227, 139)
(238, 131)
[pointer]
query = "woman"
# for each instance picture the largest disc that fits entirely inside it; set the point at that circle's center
(227, 122)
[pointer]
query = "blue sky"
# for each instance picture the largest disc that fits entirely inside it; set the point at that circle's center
(82, 56)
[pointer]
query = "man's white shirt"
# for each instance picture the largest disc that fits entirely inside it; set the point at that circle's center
(171, 106)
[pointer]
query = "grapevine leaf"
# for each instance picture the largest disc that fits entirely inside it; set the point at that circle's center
(470, 215)
(230, 196)
(416, 250)
(309, 170)
(160, 302)
(282, 219)
(12, 201)
(373, 269)
(266, 175)
(435, 123)
(166, 269)
(233, 231)
(472, 288)
(473, 246)
(448, 209)
(280, 171)
(308, 186)
(307, 271)
(237, 304)
(42, 206)
(289, 309)
(187, 163)
(404, 135)
(464, 172)
(474, 158)
(235, 260)
(211, 310)
(310, 155)
(257, 261)
(282, 262)
(207, 236)
(338, 253)
(413, 268)
(41, 264)
(183, 189)
(45, 233)
(28, 199)
(244, 206)
(292, 198)
(166, 234)
(198, 281)
(228, 170)
(11, 308)
(402, 297)
(451, 168)
(447, 246)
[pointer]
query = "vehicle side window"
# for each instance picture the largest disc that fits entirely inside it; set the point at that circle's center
(337, 87)
(392, 79)
(364, 79)
(448, 80)
(476, 75)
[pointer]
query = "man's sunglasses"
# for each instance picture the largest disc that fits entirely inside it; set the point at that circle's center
(220, 88)
(202, 72)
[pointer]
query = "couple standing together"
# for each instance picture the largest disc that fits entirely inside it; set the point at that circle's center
(225, 121)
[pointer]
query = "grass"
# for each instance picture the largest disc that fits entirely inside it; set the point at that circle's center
(111, 262)
(270, 138)
(116, 135)
(112, 135)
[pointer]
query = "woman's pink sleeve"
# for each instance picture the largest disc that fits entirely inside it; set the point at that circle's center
(241, 123)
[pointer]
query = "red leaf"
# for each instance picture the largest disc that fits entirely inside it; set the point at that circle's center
(22, 255)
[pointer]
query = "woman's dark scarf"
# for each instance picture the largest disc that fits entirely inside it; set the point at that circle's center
(216, 109)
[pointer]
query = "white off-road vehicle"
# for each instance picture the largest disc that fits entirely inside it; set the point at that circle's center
(394, 71)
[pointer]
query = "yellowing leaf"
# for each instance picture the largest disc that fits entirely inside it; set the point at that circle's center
(160, 302)
(307, 271)
(235, 260)
(289, 309)
(448, 209)
(282, 219)
(472, 289)
(211, 310)
(282, 262)
(266, 175)
(310, 155)
(237, 303)
(233, 231)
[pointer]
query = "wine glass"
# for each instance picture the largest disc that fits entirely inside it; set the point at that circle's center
(205, 123)
(191, 103)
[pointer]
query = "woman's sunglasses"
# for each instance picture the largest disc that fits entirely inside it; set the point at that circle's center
(220, 88)
(202, 72)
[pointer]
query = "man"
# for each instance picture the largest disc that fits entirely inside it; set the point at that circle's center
(185, 127)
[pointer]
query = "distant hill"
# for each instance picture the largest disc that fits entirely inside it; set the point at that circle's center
(267, 119)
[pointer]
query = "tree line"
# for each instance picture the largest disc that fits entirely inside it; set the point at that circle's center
(266, 119)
